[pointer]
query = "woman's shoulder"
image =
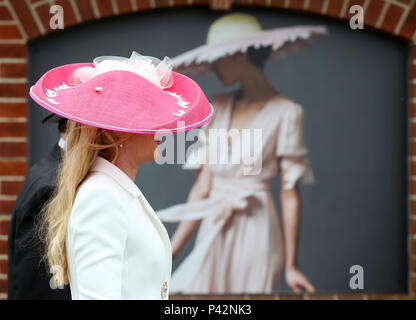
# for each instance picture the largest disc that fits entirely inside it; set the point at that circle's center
(99, 183)
(97, 199)
(285, 110)
(98, 190)
(286, 104)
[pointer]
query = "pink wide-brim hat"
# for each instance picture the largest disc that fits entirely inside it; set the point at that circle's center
(121, 100)
(236, 32)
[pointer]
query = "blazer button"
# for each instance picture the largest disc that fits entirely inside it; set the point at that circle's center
(164, 289)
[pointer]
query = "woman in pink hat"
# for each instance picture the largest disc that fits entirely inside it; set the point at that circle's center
(240, 247)
(101, 234)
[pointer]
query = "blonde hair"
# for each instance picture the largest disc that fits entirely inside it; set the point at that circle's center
(83, 145)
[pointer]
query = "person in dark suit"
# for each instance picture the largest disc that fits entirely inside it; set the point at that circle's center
(28, 275)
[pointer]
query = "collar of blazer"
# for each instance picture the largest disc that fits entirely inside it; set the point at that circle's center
(105, 166)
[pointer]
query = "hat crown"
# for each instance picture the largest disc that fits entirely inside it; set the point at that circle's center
(231, 27)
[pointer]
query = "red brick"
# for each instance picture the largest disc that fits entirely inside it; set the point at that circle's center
(45, 16)
(354, 3)
(412, 148)
(12, 90)
(181, 3)
(413, 284)
(124, 6)
(4, 227)
(404, 1)
(373, 12)
(321, 296)
(412, 50)
(13, 149)
(412, 187)
(3, 246)
(277, 3)
(26, 18)
(386, 296)
(12, 109)
(413, 130)
(409, 26)
(291, 297)
(414, 246)
(413, 71)
(5, 14)
(241, 2)
(13, 70)
(334, 8)
(13, 50)
(69, 15)
(3, 285)
(13, 129)
(13, 168)
(261, 3)
(6, 207)
(413, 171)
(392, 17)
(85, 10)
(412, 110)
(11, 187)
(351, 296)
(316, 6)
(105, 8)
(10, 32)
(143, 4)
(3, 266)
(161, 3)
(297, 4)
(414, 264)
(198, 2)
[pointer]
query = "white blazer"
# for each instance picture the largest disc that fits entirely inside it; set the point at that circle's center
(117, 247)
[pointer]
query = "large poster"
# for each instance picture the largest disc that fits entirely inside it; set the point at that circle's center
(308, 193)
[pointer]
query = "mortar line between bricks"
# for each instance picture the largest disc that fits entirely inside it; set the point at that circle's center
(114, 5)
(13, 80)
(133, 5)
(13, 60)
(76, 11)
(18, 23)
(382, 14)
(12, 119)
(402, 20)
(35, 16)
(12, 41)
(4, 197)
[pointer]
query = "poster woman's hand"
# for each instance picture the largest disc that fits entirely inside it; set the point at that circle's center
(296, 280)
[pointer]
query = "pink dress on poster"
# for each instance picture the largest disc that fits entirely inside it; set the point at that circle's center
(239, 245)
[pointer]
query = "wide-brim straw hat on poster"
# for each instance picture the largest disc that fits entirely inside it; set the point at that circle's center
(140, 94)
(237, 32)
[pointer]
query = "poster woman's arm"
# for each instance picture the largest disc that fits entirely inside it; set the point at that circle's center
(290, 202)
(199, 191)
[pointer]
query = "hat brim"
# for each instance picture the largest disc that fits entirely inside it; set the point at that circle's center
(281, 40)
(123, 101)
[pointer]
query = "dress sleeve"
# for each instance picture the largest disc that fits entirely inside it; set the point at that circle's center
(97, 232)
(290, 148)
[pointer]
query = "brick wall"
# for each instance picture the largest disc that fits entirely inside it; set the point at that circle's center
(21, 20)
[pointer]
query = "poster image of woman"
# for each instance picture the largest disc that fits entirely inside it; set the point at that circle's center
(240, 246)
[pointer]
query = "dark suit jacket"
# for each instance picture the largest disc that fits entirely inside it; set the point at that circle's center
(28, 277)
